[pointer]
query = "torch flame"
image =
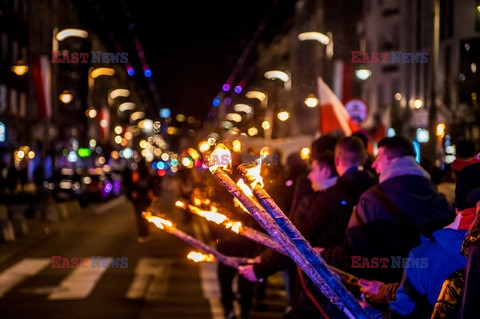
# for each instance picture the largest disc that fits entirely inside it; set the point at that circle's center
(159, 222)
(244, 187)
(235, 226)
(219, 158)
(208, 215)
(197, 201)
(197, 256)
(180, 204)
(265, 151)
(254, 174)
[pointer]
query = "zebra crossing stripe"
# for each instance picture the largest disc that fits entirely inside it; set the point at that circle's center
(211, 289)
(151, 279)
(25, 268)
(80, 283)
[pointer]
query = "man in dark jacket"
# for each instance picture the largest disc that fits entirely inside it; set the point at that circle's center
(322, 220)
(390, 216)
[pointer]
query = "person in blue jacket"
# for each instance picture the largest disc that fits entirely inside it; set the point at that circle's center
(430, 263)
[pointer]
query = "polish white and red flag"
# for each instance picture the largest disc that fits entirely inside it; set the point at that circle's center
(333, 115)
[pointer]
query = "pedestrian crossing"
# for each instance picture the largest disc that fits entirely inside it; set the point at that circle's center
(151, 279)
(80, 283)
(22, 270)
(149, 282)
(167, 284)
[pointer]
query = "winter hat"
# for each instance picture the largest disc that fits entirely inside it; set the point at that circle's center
(468, 179)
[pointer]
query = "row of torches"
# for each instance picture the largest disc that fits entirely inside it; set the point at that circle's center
(284, 236)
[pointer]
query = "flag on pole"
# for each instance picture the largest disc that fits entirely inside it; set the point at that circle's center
(42, 80)
(333, 114)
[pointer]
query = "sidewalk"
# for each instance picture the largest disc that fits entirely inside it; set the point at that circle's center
(41, 231)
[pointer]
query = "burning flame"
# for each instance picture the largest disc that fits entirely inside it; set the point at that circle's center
(159, 222)
(220, 158)
(212, 216)
(198, 257)
(244, 187)
(247, 191)
(197, 201)
(254, 175)
(265, 151)
(180, 204)
(235, 226)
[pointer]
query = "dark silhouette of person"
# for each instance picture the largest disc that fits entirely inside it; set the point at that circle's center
(140, 187)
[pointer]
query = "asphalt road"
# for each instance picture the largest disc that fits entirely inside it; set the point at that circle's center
(157, 280)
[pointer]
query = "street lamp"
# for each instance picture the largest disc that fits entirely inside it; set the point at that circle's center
(270, 113)
(245, 108)
(66, 97)
(314, 35)
(277, 75)
(67, 33)
(283, 116)
(362, 73)
(325, 39)
(19, 68)
(95, 73)
(311, 101)
(119, 93)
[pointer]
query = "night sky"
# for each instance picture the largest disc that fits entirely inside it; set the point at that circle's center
(191, 46)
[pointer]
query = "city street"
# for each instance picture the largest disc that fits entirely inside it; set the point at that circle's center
(159, 281)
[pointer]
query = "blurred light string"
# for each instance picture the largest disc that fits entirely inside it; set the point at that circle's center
(118, 47)
(241, 61)
(141, 54)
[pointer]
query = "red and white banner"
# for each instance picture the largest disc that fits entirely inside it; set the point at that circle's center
(104, 121)
(333, 114)
(42, 77)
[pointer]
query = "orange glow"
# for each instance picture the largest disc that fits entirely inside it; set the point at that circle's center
(254, 175)
(197, 201)
(244, 187)
(246, 190)
(180, 204)
(197, 256)
(212, 216)
(265, 151)
(159, 222)
(235, 226)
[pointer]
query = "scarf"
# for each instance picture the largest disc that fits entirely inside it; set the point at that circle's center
(327, 183)
(463, 220)
(405, 165)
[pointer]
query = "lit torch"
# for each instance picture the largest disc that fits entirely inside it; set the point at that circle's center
(296, 246)
(168, 226)
(348, 302)
(236, 226)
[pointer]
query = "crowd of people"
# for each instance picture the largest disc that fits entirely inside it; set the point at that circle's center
(406, 230)
(384, 221)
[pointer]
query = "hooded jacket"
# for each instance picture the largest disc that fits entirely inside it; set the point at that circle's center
(430, 264)
(388, 221)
